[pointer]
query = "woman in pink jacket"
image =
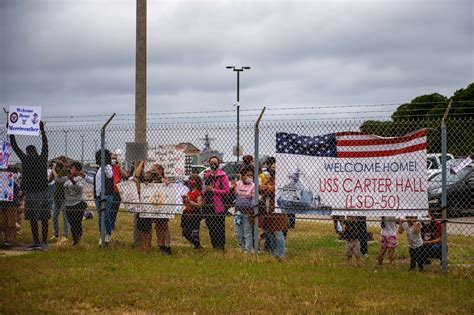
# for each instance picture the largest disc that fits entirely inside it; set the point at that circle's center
(216, 187)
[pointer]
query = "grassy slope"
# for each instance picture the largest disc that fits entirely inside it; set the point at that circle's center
(314, 279)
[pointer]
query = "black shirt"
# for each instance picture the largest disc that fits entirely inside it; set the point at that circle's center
(34, 177)
(352, 231)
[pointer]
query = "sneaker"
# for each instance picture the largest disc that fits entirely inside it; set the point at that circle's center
(100, 241)
(7, 245)
(107, 238)
(53, 238)
(165, 250)
(32, 247)
(43, 247)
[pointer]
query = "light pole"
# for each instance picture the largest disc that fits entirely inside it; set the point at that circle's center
(238, 70)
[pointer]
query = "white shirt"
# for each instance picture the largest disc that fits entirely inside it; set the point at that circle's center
(390, 228)
(414, 239)
(98, 178)
(50, 171)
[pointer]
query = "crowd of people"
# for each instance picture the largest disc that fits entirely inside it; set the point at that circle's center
(423, 237)
(58, 188)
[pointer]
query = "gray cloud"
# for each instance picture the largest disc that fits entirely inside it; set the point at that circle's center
(74, 57)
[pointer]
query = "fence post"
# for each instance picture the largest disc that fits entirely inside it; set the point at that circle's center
(256, 181)
(444, 199)
(102, 182)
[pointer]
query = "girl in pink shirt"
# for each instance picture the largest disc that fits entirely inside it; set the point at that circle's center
(244, 191)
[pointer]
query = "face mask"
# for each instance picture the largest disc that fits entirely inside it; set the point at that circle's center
(114, 162)
(248, 180)
(213, 167)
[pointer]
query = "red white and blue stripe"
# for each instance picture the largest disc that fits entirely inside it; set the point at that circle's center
(350, 144)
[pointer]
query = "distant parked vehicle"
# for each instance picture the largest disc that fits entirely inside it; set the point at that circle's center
(433, 161)
(231, 169)
(460, 192)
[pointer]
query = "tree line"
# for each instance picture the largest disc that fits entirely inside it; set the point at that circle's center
(426, 111)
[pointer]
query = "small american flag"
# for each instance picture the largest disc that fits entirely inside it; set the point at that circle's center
(350, 144)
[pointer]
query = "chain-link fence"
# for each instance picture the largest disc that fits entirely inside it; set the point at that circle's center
(337, 188)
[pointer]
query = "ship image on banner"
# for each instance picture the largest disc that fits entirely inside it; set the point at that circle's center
(351, 173)
(297, 198)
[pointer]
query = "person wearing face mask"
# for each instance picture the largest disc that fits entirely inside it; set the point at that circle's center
(216, 187)
(96, 180)
(118, 174)
(191, 218)
(61, 168)
(275, 224)
(244, 190)
(156, 174)
(34, 185)
(73, 186)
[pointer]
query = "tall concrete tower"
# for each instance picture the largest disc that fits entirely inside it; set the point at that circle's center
(140, 74)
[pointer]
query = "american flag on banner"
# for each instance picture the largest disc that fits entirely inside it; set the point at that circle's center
(351, 172)
(350, 144)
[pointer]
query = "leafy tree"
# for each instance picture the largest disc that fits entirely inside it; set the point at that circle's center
(426, 111)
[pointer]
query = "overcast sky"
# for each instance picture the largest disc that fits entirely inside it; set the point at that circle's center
(78, 57)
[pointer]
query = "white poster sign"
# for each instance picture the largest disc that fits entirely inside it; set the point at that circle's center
(129, 195)
(171, 157)
(24, 120)
(158, 201)
(351, 173)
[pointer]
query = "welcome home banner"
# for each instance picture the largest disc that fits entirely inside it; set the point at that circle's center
(351, 173)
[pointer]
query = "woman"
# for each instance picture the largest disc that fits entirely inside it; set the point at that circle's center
(109, 189)
(216, 186)
(156, 174)
(73, 185)
(275, 224)
(61, 167)
(118, 174)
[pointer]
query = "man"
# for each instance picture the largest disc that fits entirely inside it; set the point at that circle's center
(118, 174)
(34, 185)
(432, 233)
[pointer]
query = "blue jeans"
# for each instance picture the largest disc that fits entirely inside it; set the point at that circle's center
(107, 214)
(275, 241)
(243, 231)
(58, 207)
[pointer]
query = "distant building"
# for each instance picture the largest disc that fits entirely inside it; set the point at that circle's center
(207, 152)
(192, 155)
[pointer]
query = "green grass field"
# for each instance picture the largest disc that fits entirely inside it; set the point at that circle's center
(315, 278)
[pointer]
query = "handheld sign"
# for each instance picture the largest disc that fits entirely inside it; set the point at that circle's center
(24, 120)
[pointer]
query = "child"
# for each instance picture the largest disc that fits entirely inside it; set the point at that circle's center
(244, 192)
(73, 185)
(388, 239)
(351, 232)
(191, 218)
(415, 242)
